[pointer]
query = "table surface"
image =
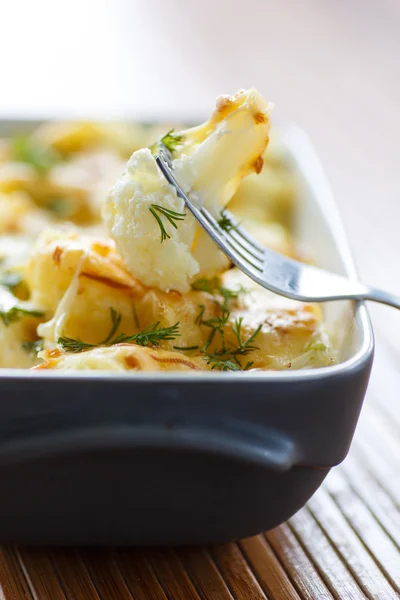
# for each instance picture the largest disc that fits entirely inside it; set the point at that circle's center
(334, 68)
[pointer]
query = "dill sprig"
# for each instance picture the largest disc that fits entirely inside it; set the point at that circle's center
(77, 345)
(115, 323)
(243, 348)
(16, 313)
(247, 346)
(41, 158)
(222, 365)
(172, 140)
(151, 336)
(199, 319)
(218, 323)
(172, 216)
(135, 316)
(185, 348)
(74, 345)
(61, 207)
(248, 365)
(224, 358)
(225, 222)
(213, 287)
(206, 285)
(33, 346)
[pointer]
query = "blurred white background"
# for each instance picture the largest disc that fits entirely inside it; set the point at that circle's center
(331, 66)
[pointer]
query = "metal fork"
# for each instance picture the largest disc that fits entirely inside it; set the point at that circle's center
(270, 269)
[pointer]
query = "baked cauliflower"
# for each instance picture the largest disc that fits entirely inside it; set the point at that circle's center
(142, 211)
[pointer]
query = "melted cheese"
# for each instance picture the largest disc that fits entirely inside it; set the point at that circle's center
(121, 357)
(53, 329)
(83, 278)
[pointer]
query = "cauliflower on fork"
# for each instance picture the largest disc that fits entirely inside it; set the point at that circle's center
(143, 211)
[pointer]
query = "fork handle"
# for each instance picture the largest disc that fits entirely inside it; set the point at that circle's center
(383, 297)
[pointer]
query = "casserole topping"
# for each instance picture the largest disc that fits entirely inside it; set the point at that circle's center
(145, 289)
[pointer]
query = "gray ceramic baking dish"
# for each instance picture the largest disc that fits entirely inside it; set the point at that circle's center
(97, 459)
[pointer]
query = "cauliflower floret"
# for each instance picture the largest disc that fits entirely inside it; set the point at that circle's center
(209, 162)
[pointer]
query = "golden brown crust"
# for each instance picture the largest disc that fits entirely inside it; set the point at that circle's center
(131, 362)
(176, 361)
(57, 254)
(126, 357)
(110, 282)
(260, 117)
(258, 164)
(56, 353)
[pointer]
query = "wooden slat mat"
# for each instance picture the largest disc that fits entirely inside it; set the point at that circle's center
(344, 544)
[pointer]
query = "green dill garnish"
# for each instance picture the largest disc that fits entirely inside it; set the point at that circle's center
(210, 339)
(16, 313)
(228, 294)
(10, 280)
(41, 158)
(216, 324)
(33, 347)
(115, 322)
(72, 345)
(61, 207)
(172, 216)
(231, 356)
(199, 319)
(244, 347)
(135, 316)
(206, 285)
(225, 222)
(222, 365)
(77, 345)
(185, 348)
(151, 336)
(213, 287)
(172, 140)
(224, 358)
(248, 365)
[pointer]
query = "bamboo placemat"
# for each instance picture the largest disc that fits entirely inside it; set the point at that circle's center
(344, 544)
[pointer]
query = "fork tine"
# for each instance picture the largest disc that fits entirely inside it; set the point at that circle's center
(226, 244)
(244, 243)
(236, 246)
(275, 272)
(242, 233)
(165, 154)
(232, 253)
(235, 233)
(228, 248)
